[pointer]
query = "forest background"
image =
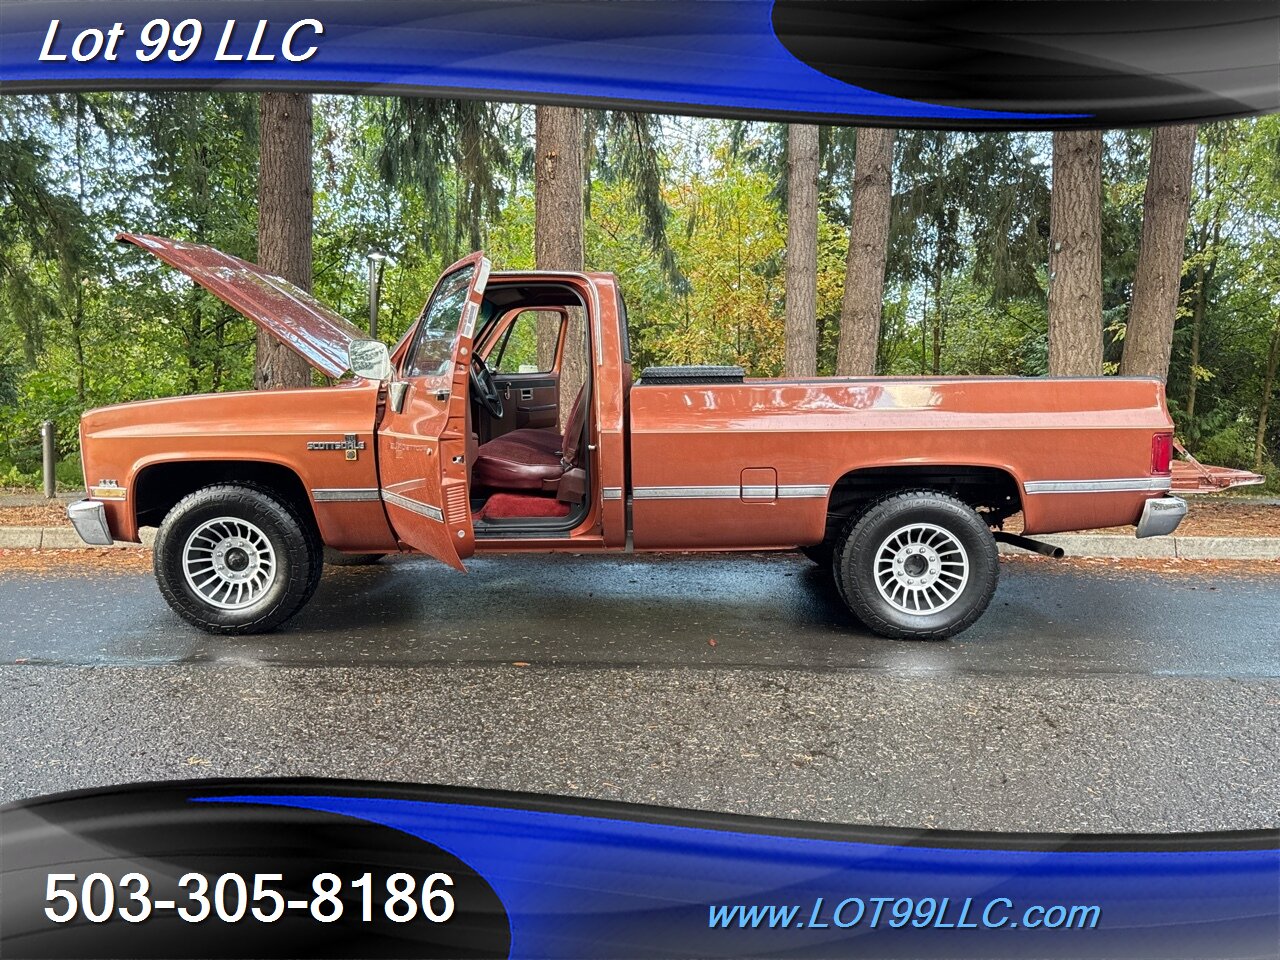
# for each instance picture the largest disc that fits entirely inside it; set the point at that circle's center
(731, 240)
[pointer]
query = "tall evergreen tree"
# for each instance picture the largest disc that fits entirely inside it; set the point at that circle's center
(1165, 209)
(870, 208)
(1075, 255)
(801, 318)
(284, 221)
(558, 225)
(625, 146)
(455, 155)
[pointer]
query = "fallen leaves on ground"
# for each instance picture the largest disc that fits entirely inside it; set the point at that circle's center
(50, 513)
(1216, 516)
(85, 560)
(1164, 565)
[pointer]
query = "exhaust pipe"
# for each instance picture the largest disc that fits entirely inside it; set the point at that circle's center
(1026, 543)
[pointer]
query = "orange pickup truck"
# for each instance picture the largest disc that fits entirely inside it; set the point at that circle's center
(452, 443)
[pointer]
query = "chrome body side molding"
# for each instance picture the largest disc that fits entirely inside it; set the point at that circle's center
(413, 506)
(1116, 485)
(344, 494)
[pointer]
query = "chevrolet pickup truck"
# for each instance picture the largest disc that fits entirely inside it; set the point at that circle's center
(452, 443)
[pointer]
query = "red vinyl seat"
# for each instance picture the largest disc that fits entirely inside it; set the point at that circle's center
(529, 458)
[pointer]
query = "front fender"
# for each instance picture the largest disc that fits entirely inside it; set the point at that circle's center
(322, 436)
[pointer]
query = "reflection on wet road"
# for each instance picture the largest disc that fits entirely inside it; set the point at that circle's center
(666, 611)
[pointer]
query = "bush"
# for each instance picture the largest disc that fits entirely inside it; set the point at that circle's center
(67, 472)
(1232, 446)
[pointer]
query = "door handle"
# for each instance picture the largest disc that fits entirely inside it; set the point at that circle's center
(526, 394)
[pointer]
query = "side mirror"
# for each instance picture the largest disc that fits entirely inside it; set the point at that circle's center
(369, 359)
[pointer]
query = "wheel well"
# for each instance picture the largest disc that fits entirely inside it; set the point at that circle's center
(993, 492)
(159, 487)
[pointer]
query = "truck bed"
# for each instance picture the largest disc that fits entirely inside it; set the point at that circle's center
(753, 464)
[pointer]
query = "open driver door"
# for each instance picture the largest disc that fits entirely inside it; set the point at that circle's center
(422, 440)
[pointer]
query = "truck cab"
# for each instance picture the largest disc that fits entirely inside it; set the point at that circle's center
(507, 419)
(522, 464)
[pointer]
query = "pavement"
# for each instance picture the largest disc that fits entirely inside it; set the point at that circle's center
(1098, 699)
(714, 611)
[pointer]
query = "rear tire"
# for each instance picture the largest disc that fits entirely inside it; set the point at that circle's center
(234, 558)
(917, 565)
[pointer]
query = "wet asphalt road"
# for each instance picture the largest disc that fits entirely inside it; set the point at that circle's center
(760, 611)
(1087, 700)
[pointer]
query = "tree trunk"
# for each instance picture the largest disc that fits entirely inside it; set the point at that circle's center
(1075, 255)
(1268, 386)
(935, 365)
(77, 313)
(1208, 241)
(1204, 276)
(863, 302)
(77, 344)
(1193, 379)
(1165, 208)
(284, 221)
(558, 232)
(801, 320)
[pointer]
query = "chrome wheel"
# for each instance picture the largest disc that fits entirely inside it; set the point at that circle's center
(229, 563)
(921, 569)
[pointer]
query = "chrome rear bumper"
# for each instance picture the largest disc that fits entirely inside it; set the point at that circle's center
(1161, 516)
(90, 520)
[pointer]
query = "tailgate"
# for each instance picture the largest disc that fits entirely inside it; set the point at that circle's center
(1190, 476)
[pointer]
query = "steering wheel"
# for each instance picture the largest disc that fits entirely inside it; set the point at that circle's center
(485, 390)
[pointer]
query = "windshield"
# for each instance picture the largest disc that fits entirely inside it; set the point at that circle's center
(438, 329)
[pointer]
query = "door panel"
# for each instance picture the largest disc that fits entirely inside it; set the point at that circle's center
(422, 448)
(526, 376)
(530, 399)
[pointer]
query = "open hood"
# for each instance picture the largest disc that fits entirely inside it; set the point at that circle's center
(297, 319)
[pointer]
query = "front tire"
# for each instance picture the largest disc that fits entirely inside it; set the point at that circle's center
(917, 565)
(234, 558)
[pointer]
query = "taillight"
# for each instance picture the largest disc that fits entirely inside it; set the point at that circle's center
(1161, 452)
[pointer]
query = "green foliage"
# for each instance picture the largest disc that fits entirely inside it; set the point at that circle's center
(690, 214)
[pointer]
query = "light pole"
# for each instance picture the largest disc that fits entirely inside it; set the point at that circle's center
(376, 259)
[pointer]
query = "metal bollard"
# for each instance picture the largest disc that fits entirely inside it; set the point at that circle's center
(50, 459)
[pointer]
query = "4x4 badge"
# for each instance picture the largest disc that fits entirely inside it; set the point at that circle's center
(349, 444)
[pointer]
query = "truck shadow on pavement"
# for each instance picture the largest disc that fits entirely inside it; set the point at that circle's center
(669, 611)
(781, 610)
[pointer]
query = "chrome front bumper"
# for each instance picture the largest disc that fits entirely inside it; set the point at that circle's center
(90, 520)
(1161, 516)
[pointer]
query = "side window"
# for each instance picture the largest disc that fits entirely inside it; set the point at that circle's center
(438, 327)
(519, 349)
